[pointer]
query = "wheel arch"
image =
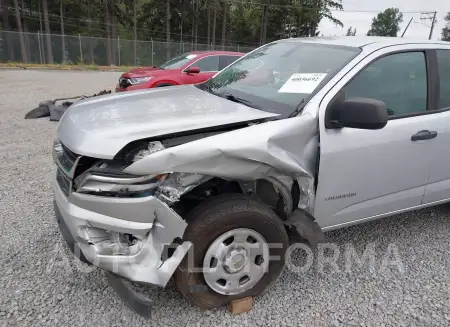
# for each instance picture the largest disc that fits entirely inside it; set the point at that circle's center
(282, 193)
(165, 82)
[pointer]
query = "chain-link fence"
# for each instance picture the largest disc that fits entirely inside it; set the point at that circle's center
(41, 48)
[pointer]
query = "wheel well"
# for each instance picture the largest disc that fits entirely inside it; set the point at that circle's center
(262, 190)
(164, 84)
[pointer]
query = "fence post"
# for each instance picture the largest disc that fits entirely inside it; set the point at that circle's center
(152, 51)
(28, 46)
(39, 44)
(118, 47)
(43, 48)
(81, 51)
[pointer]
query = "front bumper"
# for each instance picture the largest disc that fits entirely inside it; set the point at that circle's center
(85, 219)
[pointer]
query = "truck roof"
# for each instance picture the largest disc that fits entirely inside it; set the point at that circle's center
(362, 41)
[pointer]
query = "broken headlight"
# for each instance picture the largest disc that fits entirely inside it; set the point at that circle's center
(101, 179)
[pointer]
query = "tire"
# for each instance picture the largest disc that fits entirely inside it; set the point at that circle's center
(211, 219)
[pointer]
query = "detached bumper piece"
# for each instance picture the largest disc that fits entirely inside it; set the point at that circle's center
(135, 301)
(50, 108)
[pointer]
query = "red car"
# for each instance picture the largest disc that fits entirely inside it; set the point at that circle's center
(189, 68)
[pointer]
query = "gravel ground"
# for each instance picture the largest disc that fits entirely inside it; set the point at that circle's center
(406, 283)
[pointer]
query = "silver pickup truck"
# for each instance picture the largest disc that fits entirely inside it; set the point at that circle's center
(205, 183)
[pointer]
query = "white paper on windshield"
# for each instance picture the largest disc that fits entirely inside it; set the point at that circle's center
(191, 56)
(302, 83)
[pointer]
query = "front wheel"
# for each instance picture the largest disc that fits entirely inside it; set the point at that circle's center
(238, 251)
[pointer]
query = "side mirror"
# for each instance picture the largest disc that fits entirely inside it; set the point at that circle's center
(363, 113)
(192, 70)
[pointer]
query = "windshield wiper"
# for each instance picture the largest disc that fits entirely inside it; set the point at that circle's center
(298, 109)
(231, 97)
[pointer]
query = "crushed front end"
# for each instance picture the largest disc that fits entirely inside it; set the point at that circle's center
(114, 220)
(126, 184)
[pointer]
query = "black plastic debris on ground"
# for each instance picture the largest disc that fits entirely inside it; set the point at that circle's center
(136, 301)
(50, 108)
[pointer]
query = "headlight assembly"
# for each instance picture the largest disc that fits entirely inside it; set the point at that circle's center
(140, 80)
(102, 180)
(109, 185)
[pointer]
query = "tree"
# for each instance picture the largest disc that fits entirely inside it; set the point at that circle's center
(25, 25)
(169, 23)
(91, 45)
(114, 36)
(214, 25)
(302, 17)
(196, 22)
(245, 23)
(108, 33)
(264, 22)
(167, 29)
(48, 39)
(446, 29)
(7, 28)
(208, 38)
(23, 48)
(386, 23)
(63, 41)
(134, 32)
(350, 32)
(224, 23)
(111, 20)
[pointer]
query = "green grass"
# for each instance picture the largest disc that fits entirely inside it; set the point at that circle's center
(66, 66)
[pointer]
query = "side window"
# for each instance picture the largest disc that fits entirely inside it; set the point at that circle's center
(208, 64)
(444, 74)
(224, 61)
(399, 80)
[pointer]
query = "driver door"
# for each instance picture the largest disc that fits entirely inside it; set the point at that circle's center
(366, 174)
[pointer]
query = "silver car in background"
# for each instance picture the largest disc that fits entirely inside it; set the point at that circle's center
(204, 184)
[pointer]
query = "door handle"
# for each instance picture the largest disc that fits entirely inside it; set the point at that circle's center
(424, 135)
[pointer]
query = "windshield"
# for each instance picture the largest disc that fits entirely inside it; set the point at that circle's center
(279, 76)
(178, 62)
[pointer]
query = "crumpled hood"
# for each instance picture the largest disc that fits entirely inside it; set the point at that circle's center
(100, 127)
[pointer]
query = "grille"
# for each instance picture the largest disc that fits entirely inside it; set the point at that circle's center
(124, 82)
(63, 182)
(67, 158)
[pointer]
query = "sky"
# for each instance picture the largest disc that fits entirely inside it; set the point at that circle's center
(359, 15)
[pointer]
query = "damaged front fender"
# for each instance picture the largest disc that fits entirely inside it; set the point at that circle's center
(285, 147)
